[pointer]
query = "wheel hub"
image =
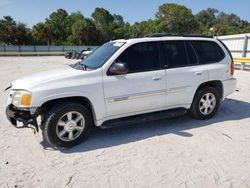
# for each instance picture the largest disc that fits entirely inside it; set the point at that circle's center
(70, 126)
(207, 104)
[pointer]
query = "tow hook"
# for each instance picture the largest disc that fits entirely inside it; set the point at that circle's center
(32, 123)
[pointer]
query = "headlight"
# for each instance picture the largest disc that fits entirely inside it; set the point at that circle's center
(21, 98)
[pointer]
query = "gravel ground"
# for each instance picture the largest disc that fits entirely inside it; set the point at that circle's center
(179, 152)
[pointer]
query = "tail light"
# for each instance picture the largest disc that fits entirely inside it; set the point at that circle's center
(232, 68)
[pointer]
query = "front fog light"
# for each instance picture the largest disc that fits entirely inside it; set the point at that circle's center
(21, 98)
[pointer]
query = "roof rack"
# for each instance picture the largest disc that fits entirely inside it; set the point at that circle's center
(174, 35)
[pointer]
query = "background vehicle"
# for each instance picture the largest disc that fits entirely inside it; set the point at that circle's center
(78, 55)
(85, 53)
(68, 55)
(157, 76)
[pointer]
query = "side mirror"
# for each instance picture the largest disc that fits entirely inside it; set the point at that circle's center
(118, 69)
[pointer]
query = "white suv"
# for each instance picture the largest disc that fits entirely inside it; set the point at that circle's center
(157, 76)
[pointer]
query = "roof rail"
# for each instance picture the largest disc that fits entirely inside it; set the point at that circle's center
(158, 35)
(196, 35)
(174, 35)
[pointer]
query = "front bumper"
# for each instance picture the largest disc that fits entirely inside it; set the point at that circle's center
(15, 115)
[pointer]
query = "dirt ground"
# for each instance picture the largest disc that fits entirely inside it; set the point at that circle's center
(179, 152)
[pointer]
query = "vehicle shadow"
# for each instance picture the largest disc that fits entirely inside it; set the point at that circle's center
(103, 138)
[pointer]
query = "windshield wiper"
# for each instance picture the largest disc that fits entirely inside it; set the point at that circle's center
(84, 67)
(79, 64)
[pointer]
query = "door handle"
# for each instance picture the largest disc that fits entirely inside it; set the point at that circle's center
(198, 73)
(157, 78)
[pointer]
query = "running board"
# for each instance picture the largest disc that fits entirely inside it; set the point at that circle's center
(143, 118)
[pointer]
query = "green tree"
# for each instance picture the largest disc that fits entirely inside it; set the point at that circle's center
(120, 28)
(62, 28)
(56, 26)
(72, 19)
(23, 35)
(123, 31)
(118, 21)
(41, 34)
(207, 17)
(104, 23)
(176, 19)
(84, 32)
(8, 30)
(144, 28)
(14, 33)
(246, 29)
(229, 19)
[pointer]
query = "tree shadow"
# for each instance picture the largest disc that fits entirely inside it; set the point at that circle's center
(230, 110)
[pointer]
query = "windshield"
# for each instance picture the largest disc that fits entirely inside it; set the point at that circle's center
(101, 55)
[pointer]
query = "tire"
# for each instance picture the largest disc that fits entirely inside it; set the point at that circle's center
(205, 98)
(67, 124)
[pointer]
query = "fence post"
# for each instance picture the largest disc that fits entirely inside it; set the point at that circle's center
(19, 49)
(4, 49)
(244, 51)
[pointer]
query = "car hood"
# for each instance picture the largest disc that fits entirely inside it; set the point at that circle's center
(32, 80)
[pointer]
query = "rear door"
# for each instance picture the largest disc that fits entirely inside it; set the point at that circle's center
(210, 54)
(183, 73)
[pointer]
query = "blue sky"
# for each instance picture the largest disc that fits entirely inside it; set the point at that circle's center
(33, 11)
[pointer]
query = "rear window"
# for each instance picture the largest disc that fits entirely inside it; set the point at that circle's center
(207, 51)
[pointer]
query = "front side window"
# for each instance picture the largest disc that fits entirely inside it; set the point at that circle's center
(208, 51)
(141, 57)
(175, 53)
(100, 56)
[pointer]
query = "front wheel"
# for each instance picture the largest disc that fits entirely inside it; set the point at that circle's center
(67, 124)
(205, 104)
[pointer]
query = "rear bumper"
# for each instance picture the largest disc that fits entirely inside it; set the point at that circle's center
(229, 87)
(14, 115)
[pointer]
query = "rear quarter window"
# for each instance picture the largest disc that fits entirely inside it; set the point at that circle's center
(208, 51)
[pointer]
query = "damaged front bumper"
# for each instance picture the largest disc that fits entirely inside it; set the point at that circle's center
(23, 117)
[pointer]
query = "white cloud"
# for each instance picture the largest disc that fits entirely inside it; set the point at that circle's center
(4, 2)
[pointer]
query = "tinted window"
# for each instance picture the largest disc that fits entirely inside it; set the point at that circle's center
(141, 57)
(192, 57)
(226, 49)
(208, 51)
(175, 52)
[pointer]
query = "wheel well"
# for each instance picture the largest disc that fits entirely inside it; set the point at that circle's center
(82, 100)
(215, 84)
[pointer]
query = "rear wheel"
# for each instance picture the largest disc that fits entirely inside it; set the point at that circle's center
(67, 124)
(206, 103)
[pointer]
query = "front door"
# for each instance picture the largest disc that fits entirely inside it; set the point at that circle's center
(143, 89)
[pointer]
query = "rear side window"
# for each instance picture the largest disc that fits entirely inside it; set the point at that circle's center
(141, 57)
(208, 51)
(175, 53)
(192, 57)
